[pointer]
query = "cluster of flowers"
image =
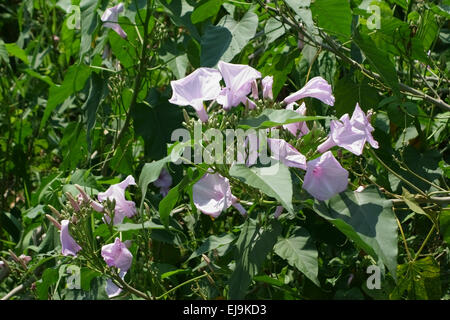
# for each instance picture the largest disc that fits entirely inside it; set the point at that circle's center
(324, 177)
(115, 254)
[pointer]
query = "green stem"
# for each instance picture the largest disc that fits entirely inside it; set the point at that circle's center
(404, 239)
(131, 289)
(137, 83)
(424, 242)
(182, 284)
(374, 155)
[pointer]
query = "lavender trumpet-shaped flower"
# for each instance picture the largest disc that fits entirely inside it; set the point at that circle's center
(287, 154)
(201, 85)
(300, 128)
(69, 245)
(350, 134)
(238, 84)
(278, 211)
(164, 182)
(26, 259)
(325, 177)
(84, 198)
(212, 195)
(267, 83)
(317, 88)
(111, 17)
(124, 208)
(116, 255)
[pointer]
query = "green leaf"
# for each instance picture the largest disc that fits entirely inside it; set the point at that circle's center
(413, 205)
(334, 16)
(444, 222)
(139, 226)
(88, 24)
(242, 31)
(34, 212)
(49, 278)
(273, 118)
(441, 10)
(211, 243)
(273, 30)
(214, 44)
(175, 272)
(208, 9)
(155, 124)
(180, 11)
(269, 280)
(39, 76)
(74, 81)
(300, 252)
(150, 173)
(379, 60)
(11, 225)
(178, 65)
(15, 51)
(252, 247)
(297, 4)
(301, 9)
(428, 30)
(86, 278)
(97, 91)
(170, 200)
(367, 219)
(275, 181)
(3, 52)
(122, 50)
(348, 93)
(419, 280)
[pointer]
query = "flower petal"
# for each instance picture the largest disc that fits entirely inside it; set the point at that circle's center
(325, 177)
(201, 85)
(68, 244)
(286, 153)
(238, 80)
(317, 88)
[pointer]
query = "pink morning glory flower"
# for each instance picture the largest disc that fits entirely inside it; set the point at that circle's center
(212, 195)
(116, 255)
(69, 246)
(201, 85)
(26, 259)
(325, 177)
(164, 182)
(111, 17)
(84, 198)
(350, 134)
(111, 289)
(124, 208)
(286, 153)
(267, 83)
(317, 88)
(238, 80)
(295, 127)
(278, 211)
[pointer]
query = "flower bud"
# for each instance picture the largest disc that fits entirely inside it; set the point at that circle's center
(53, 220)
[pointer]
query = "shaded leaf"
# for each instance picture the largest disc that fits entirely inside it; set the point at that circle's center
(273, 118)
(366, 218)
(252, 247)
(275, 181)
(300, 252)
